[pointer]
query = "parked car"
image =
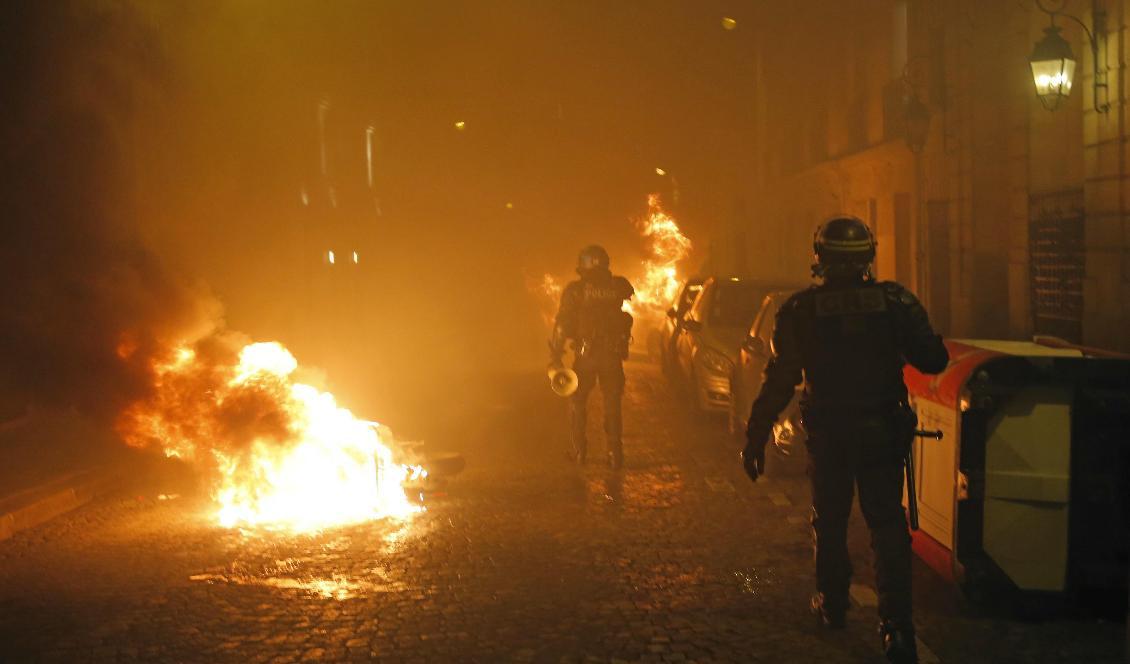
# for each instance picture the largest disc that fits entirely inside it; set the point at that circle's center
(706, 345)
(748, 374)
(673, 321)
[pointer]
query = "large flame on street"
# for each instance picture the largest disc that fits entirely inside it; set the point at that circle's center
(666, 247)
(281, 454)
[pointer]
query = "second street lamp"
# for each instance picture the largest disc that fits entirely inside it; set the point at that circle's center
(917, 123)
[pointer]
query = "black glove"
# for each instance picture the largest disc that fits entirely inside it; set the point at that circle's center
(753, 456)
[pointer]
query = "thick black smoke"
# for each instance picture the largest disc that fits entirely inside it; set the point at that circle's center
(85, 307)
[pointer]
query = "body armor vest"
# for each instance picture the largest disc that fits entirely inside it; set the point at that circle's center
(849, 345)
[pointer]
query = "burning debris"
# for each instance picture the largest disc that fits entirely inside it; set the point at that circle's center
(550, 288)
(666, 247)
(94, 323)
(282, 454)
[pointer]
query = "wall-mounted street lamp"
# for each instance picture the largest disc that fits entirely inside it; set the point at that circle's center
(1053, 68)
(1053, 62)
(915, 113)
(917, 123)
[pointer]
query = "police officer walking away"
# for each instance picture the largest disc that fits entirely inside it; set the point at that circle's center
(591, 316)
(848, 339)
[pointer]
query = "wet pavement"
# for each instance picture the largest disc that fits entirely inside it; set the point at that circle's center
(523, 557)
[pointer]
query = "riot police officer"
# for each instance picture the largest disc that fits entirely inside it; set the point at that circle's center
(848, 339)
(591, 316)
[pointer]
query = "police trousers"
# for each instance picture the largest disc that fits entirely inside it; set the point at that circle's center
(867, 454)
(606, 369)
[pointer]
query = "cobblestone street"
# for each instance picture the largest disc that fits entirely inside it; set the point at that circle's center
(522, 557)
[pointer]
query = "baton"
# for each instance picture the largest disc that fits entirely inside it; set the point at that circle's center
(911, 493)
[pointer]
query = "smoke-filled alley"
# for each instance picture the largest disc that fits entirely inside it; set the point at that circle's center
(564, 331)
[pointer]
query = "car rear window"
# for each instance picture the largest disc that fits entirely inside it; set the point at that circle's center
(735, 304)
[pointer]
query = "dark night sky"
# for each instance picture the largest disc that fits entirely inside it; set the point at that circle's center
(569, 106)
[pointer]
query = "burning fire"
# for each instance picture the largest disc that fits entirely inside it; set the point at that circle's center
(282, 454)
(667, 246)
(659, 284)
(550, 289)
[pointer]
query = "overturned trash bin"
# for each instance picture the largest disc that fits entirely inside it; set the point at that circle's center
(1029, 484)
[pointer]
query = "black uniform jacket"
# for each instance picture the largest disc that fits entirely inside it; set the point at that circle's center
(591, 307)
(849, 343)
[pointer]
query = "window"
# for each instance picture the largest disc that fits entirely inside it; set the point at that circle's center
(938, 264)
(1056, 263)
(698, 309)
(734, 304)
(769, 317)
(895, 91)
(687, 297)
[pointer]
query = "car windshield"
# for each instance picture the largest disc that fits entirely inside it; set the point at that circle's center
(735, 304)
(689, 294)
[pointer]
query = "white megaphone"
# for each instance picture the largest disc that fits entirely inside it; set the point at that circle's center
(562, 381)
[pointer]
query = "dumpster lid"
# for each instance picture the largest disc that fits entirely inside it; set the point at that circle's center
(945, 388)
(1022, 348)
(967, 355)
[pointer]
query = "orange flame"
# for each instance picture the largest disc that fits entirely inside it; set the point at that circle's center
(667, 246)
(281, 454)
(660, 282)
(549, 288)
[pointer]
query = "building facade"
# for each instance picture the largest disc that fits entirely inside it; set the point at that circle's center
(921, 118)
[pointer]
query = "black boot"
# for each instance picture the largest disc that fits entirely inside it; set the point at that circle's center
(830, 615)
(898, 642)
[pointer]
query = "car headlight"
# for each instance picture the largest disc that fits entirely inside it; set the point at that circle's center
(716, 361)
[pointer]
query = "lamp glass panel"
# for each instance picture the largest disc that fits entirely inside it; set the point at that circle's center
(1053, 77)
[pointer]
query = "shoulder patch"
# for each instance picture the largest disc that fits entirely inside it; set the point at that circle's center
(899, 293)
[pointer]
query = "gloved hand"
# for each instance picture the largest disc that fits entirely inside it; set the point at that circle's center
(753, 456)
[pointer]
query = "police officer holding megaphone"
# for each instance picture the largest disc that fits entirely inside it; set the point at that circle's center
(592, 320)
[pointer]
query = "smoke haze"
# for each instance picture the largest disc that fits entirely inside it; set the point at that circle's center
(166, 158)
(87, 306)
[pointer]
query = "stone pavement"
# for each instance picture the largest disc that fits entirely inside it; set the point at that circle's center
(521, 558)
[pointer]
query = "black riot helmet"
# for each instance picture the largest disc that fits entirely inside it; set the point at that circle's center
(593, 258)
(844, 248)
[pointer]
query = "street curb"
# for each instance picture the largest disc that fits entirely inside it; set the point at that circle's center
(40, 504)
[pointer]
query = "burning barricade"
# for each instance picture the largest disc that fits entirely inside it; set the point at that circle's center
(281, 454)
